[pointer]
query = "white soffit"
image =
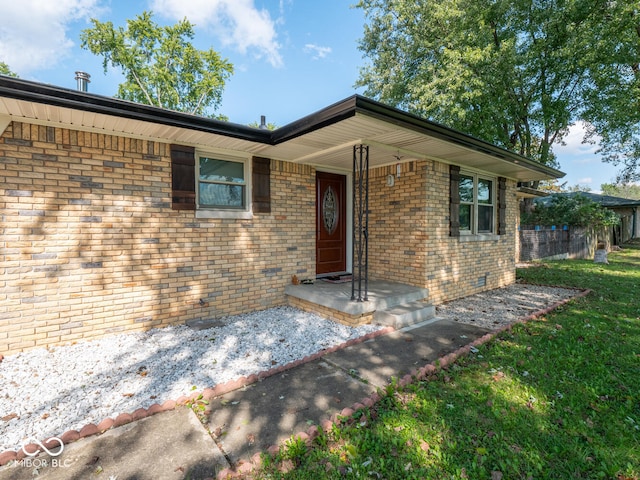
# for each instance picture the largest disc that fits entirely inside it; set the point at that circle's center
(330, 146)
(63, 117)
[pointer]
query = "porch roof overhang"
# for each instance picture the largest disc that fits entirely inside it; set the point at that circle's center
(325, 138)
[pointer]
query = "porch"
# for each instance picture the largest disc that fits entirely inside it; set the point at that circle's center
(387, 303)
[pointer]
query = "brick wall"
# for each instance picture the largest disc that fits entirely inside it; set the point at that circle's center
(90, 245)
(409, 238)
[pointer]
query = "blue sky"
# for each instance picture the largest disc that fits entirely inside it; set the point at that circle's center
(291, 57)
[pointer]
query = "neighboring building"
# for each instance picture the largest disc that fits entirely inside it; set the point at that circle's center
(628, 211)
(120, 217)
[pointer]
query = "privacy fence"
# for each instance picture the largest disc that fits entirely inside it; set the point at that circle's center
(538, 242)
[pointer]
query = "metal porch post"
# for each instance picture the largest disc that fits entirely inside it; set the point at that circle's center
(360, 244)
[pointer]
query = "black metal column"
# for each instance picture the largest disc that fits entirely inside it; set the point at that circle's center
(360, 244)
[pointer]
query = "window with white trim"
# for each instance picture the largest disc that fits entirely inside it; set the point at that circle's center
(477, 204)
(222, 183)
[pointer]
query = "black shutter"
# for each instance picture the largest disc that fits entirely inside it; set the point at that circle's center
(183, 178)
(502, 205)
(261, 188)
(454, 201)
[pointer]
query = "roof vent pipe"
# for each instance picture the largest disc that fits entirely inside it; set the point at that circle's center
(83, 81)
(263, 123)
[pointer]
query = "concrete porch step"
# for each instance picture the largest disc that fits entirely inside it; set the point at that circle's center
(405, 314)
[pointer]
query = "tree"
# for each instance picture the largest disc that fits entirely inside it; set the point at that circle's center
(5, 70)
(160, 64)
(516, 73)
(613, 103)
(623, 190)
(578, 188)
(270, 125)
(571, 210)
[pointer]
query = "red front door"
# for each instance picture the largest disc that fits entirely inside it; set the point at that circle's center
(331, 223)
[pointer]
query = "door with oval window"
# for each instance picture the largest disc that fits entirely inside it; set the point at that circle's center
(331, 223)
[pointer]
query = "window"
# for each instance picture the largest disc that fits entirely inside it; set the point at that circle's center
(222, 183)
(477, 206)
(218, 186)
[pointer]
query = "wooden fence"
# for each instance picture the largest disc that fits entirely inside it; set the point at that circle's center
(536, 242)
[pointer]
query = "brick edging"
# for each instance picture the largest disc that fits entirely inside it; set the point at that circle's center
(223, 388)
(207, 394)
(346, 414)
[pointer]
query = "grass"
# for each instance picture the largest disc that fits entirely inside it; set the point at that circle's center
(556, 398)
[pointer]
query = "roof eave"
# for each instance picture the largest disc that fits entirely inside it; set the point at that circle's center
(19, 89)
(358, 104)
(67, 98)
(437, 130)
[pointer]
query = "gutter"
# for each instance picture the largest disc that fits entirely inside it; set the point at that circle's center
(358, 104)
(28, 91)
(433, 129)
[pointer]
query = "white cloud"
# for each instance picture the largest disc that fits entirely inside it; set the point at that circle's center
(33, 33)
(317, 51)
(586, 160)
(585, 180)
(238, 23)
(573, 141)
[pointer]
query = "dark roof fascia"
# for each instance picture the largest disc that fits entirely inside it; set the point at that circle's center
(19, 89)
(335, 113)
(358, 104)
(419, 124)
(67, 98)
(532, 192)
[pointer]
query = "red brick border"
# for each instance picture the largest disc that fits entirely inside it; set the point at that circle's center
(423, 373)
(207, 394)
(221, 389)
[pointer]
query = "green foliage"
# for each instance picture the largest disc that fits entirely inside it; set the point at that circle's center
(512, 72)
(623, 190)
(160, 64)
(578, 188)
(575, 210)
(5, 70)
(613, 100)
(270, 125)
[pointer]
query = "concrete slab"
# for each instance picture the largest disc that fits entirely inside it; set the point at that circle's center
(382, 294)
(170, 445)
(250, 420)
(400, 352)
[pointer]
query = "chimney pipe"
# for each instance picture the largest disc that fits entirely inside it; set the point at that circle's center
(263, 123)
(83, 81)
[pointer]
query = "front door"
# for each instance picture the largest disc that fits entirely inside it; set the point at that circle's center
(331, 223)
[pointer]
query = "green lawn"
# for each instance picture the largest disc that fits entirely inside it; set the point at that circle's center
(557, 398)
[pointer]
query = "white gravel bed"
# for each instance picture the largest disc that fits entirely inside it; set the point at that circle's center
(46, 392)
(496, 308)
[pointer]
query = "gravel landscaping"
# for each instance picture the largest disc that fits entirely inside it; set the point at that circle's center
(46, 392)
(496, 308)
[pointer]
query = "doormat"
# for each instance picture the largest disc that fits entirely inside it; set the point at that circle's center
(338, 278)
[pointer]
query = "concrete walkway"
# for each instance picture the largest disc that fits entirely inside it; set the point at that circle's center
(239, 425)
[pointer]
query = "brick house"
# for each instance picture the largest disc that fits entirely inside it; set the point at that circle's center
(122, 217)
